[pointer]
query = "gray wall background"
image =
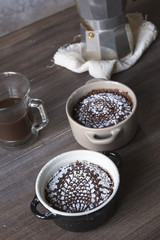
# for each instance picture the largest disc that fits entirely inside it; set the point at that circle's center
(15, 14)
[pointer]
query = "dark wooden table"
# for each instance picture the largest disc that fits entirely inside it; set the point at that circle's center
(30, 51)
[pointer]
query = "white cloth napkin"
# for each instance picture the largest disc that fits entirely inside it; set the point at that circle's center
(70, 57)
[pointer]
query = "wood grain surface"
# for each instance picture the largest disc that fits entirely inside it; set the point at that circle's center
(29, 51)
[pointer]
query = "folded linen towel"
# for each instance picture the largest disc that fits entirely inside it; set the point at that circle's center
(70, 57)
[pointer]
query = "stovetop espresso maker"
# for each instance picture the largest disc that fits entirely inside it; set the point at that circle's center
(105, 31)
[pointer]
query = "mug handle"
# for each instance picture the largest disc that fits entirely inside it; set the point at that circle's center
(106, 140)
(34, 210)
(116, 158)
(37, 103)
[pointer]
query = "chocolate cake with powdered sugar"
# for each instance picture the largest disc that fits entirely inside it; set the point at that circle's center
(102, 108)
(79, 187)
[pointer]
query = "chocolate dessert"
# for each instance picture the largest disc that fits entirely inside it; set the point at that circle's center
(102, 108)
(79, 187)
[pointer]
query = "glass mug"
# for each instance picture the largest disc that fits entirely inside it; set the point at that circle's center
(18, 125)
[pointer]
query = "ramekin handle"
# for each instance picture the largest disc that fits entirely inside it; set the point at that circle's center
(35, 202)
(116, 158)
(100, 140)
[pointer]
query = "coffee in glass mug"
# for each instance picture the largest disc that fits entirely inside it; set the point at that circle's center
(18, 125)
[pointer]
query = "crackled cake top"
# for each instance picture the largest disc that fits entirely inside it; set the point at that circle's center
(79, 187)
(102, 108)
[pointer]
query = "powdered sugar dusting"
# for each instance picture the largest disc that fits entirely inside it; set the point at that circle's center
(102, 108)
(79, 187)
